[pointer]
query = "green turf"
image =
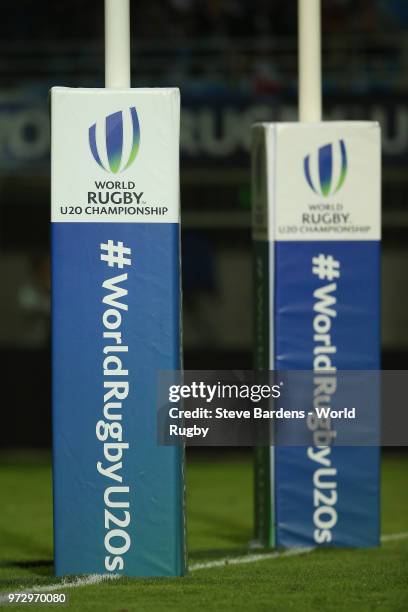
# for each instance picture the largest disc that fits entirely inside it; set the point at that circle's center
(219, 521)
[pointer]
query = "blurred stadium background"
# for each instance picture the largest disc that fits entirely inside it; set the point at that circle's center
(235, 62)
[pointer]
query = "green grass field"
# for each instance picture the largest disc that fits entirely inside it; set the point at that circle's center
(219, 525)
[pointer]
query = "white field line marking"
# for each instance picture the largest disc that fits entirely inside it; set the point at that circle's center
(292, 552)
(394, 536)
(97, 578)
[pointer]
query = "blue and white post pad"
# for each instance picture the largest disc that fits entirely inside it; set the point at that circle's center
(317, 231)
(118, 497)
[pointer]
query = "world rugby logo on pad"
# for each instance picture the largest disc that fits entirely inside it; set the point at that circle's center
(326, 171)
(114, 143)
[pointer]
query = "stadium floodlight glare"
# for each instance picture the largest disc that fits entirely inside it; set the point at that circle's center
(316, 230)
(118, 496)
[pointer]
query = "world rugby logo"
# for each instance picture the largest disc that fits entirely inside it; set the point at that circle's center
(115, 143)
(326, 172)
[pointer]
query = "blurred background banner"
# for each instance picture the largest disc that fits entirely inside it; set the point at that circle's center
(235, 62)
(215, 125)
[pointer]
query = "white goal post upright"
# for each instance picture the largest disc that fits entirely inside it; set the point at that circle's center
(117, 44)
(309, 61)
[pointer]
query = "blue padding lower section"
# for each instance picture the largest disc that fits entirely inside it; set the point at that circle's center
(353, 476)
(150, 328)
